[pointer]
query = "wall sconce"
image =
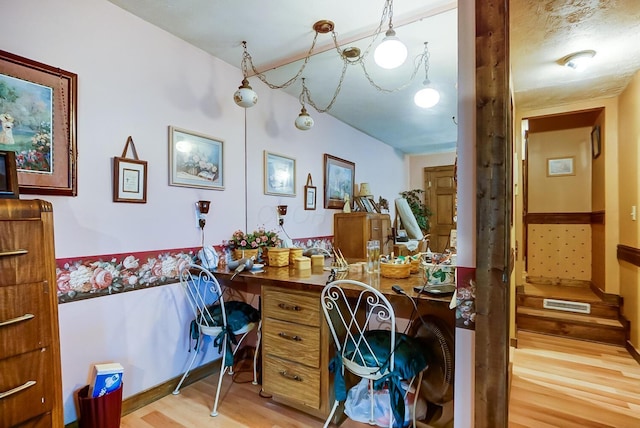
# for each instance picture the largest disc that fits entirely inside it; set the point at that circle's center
(282, 211)
(202, 209)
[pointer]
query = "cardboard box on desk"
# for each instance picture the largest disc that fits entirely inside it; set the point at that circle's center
(106, 378)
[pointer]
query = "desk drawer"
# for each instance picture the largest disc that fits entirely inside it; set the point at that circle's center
(32, 400)
(295, 342)
(25, 318)
(296, 382)
(301, 308)
(21, 252)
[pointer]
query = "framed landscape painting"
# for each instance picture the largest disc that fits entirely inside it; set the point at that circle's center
(339, 178)
(195, 160)
(38, 123)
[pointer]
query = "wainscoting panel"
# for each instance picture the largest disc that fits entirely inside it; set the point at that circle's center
(559, 251)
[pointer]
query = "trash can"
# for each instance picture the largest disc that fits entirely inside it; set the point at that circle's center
(100, 412)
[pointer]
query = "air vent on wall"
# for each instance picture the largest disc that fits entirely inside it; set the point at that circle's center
(564, 305)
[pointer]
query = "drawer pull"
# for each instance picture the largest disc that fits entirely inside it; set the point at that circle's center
(288, 336)
(26, 385)
(17, 319)
(295, 377)
(13, 253)
(289, 307)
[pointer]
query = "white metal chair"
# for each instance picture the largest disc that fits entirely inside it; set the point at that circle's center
(363, 327)
(222, 323)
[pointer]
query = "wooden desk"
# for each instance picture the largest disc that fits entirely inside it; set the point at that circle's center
(296, 341)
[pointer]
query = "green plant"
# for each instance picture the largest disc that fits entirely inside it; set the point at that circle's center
(420, 211)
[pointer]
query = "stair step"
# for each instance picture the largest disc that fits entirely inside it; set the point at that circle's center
(577, 326)
(598, 308)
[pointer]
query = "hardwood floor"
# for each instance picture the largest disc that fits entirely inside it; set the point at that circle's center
(556, 382)
(559, 382)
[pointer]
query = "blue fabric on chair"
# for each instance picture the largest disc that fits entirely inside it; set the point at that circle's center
(409, 361)
(239, 314)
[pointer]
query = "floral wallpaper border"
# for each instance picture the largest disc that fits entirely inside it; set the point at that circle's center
(80, 278)
(466, 298)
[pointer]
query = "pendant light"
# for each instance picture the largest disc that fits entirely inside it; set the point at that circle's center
(303, 122)
(391, 52)
(245, 96)
(426, 97)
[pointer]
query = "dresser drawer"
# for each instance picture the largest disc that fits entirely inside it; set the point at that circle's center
(295, 342)
(295, 382)
(21, 252)
(291, 306)
(25, 318)
(30, 401)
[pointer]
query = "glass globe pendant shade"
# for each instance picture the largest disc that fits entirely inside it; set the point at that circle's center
(426, 97)
(245, 96)
(304, 122)
(391, 52)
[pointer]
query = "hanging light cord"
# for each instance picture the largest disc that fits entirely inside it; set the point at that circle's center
(305, 95)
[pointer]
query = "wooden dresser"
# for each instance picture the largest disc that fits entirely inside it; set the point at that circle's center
(31, 379)
(351, 231)
(295, 339)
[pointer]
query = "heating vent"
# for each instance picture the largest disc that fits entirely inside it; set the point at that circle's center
(564, 305)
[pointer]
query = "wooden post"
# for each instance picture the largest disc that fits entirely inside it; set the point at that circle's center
(493, 148)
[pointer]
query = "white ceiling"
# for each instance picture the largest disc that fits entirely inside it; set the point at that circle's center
(542, 32)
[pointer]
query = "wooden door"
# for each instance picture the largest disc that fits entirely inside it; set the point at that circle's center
(440, 198)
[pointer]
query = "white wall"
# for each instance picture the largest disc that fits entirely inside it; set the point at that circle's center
(135, 79)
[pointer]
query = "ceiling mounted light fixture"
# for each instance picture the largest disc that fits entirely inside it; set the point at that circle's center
(578, 60)
(391, 52)
(303, 122)
(246, 97)
(426, 97)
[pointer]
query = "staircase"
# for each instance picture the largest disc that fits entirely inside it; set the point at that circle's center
(572, 311)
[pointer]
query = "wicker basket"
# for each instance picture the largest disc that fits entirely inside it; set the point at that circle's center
(239, 253)
(393, 270)
(278, 257)
(294, 253)
(415, 265)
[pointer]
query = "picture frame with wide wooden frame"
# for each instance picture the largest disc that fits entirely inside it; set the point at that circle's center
(339, 181)
(279, 175)
(195, 160)
(43, 110)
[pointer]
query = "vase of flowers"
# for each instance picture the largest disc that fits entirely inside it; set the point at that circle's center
(250, 244)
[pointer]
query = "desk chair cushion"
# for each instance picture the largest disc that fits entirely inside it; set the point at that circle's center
(240, 317)
(409, 361)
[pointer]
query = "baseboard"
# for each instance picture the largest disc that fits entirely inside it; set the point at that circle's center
(155, 393)
(606, 297)
(633, 351)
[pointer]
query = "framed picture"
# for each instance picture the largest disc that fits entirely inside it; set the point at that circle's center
(310, 194)
(595, 141)
(39, 124)
(8, 175)
(279, 175)
(557, 167)
(339, 179)
(129, 180)
(195, 160)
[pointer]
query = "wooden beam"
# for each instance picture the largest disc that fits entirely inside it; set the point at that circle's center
(493, 205)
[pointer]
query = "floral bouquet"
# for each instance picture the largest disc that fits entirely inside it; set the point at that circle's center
(254, 240)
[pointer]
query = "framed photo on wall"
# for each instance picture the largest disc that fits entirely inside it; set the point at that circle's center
(339, 179)
(596, 147)
(38, 120)
(310, 194)
(279, 175)
(129, 180)
(8, 175)
(195, 160)
(557, 167)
